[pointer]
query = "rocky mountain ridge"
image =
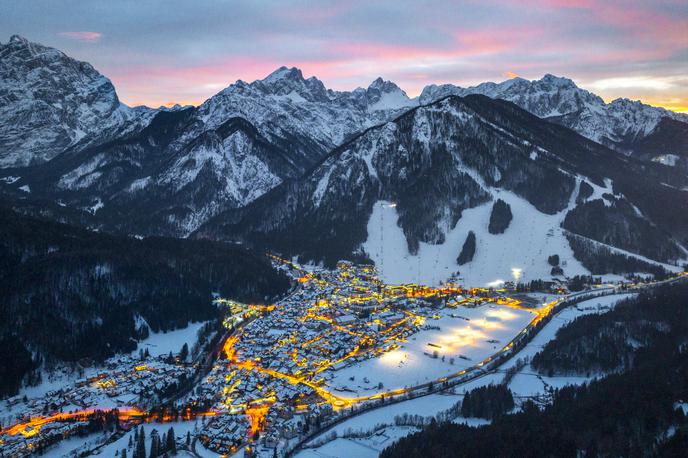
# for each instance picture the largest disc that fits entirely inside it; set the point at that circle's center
(620, 124)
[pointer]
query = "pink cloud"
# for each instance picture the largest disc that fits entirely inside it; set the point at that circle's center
(155, 84)
(463, 43)
(582, 39)
(90, 37)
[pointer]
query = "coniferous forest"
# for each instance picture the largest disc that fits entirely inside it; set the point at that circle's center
(69, 294)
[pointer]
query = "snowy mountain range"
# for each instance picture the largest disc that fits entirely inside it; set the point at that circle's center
(167, 171)
(431, 176)
(286, 163)
(620, 124)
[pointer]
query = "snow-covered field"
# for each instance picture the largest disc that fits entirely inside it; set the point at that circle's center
(427, 406)
(72, 446)
(520, 253)
(525, 383)
(162, 343)
(367, 447)
(465, 337)
(525, 245)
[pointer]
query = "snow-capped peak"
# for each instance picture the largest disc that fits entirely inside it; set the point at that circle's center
(283, 72)
(18, 39)
(290, 82)
(558, 81)
(561, 100)
(383, 85)
(385, 95)
(286, 102)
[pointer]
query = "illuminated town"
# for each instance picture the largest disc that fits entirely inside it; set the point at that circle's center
(280, 365)
(341, 341)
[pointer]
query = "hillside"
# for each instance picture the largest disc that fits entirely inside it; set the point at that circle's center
(440, 166)
(68, 294)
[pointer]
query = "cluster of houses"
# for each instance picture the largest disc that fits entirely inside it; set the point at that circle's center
(281, 363)
(272, 383)
(124, 381)
(34, 437)
(131, 381)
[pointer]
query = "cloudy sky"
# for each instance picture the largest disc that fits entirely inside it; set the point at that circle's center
(162, 52)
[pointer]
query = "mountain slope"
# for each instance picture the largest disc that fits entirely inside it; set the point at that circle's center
(189, 164)
(437, 161)
(152, 172)
(50, 102)
(67, 293)
(152, 182)
(301, 113)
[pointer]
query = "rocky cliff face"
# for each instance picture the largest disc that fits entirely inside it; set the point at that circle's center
(50, 102)
(168, 171)
(301, 114)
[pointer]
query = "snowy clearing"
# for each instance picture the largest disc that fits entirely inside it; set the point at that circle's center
(528, 382)
(162, 343)
(465, 335)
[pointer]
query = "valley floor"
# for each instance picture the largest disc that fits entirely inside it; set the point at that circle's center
(371, 432)
(341, 343)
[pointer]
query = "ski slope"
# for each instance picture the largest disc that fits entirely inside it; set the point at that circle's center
(520, 253)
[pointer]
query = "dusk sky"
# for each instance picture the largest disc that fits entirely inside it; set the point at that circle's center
(174, 51)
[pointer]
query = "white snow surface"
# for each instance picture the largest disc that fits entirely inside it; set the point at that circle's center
(427, 406)
(526, 244)
(392, 101)
(162, 343)
(466, 335)
(10, 179)
(667, 159)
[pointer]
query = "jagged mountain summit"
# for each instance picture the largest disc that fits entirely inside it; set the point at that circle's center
(171, 170)
(621, 124)
(301, 113)
(50, 102)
